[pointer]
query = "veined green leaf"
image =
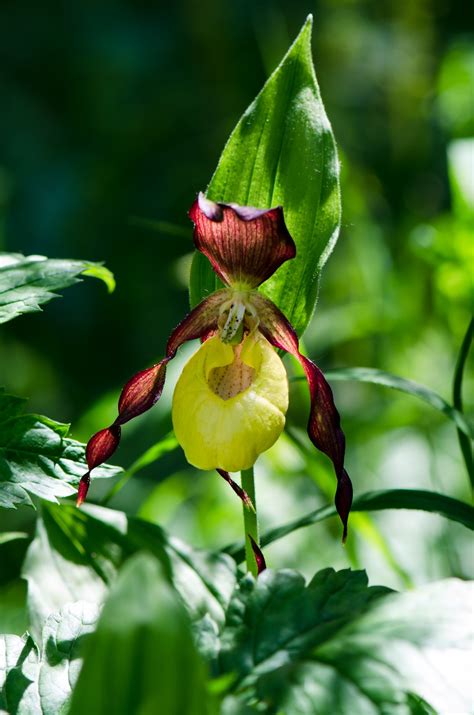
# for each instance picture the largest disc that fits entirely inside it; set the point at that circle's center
(26, 282)
(37, 457)
(63, 639)
(143, 649)
(39, 680)
(413, 499)
(386, 379)
(338, 646)
(282, 152)
(19, 670)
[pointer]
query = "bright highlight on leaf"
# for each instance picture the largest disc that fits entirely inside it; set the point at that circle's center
(26, 282)
(282, 153)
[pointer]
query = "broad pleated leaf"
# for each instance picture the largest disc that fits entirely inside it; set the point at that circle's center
(282, 152)
(26, 282)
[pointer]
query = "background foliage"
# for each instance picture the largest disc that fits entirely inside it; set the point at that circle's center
(114, 117)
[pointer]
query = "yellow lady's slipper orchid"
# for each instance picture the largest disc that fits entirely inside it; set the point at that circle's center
(230, 402)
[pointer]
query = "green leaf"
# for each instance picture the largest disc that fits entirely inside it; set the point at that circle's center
(413, 499)
(142, 658)
(12, 536)
(26, 282)
(282, 152)
(41, 681)
(386, 379)
(63, 638)
(19, 669)
(338, 646)
(464, 440)
(37, 457)
(76, 555)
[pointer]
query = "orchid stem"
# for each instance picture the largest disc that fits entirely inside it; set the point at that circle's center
(250, 520)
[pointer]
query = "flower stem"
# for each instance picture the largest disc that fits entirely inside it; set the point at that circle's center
(250, 520)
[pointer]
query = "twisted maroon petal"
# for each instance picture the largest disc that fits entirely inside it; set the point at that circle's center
(259, 557)
(244, 245)
(241, 493)
(324, 424)
(144, 389)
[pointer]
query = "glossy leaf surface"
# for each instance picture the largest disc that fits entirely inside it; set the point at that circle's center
(26, 282)
(282, 152)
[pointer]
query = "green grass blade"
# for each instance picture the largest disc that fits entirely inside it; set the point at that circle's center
(409, 387)
(464, 440)
(413, 499)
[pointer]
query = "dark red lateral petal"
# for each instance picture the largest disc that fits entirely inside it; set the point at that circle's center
(259, 557)
(241, 493)
(324, 424)
(201, 322)
(244, 245)
(144, 389)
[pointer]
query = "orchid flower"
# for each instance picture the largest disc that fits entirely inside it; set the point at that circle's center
(231, 399)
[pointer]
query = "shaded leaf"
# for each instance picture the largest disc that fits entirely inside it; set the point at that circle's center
(40, 681)
(338, 646)
(26, 282)
(37, 457)
(76, 555)
(62, 643)
(19, 668)
(282, 152)
(142, 649)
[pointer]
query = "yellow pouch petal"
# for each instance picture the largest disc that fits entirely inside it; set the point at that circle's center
(229, 403)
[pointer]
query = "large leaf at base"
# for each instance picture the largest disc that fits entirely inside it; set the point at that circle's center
(76, 554)
(142, 659)
(26, 282)
(37, 457)
(34, 680)
(282, 152)
(337, 646)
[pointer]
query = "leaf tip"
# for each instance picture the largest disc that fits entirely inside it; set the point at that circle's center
(97, 270)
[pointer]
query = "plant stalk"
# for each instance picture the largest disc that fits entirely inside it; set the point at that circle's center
(250, 520)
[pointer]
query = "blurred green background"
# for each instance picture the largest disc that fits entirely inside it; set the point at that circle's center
(113, 117)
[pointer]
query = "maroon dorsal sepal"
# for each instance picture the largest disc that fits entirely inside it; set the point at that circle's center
(245, 245)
